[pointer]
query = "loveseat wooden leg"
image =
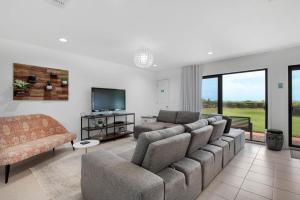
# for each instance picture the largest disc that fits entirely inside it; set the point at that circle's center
(72, 143)
(7, 168)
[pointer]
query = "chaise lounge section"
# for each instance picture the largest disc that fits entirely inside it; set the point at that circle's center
(167, 119)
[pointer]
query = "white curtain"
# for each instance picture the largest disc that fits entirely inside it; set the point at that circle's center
(191, 85)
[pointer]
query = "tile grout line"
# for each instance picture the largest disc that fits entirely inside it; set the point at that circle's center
(247, 174)
(275, 177)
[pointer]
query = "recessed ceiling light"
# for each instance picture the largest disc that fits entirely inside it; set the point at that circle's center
(155, 65)
(210, 53)
(64, 40)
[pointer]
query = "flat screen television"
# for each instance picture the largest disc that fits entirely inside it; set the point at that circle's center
(105, 99)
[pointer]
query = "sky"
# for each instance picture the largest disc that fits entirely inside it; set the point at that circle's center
(296, 85)
(237, 87)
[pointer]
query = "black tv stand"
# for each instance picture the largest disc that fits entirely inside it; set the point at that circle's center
(110, 129)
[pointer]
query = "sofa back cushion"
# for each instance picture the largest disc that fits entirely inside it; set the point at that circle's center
(21, 129)
(199, 138)
(213, 119)
(167, 116)
(218, 130)
(195, 125)
(163, 153)
(145, 139)
(185, 117)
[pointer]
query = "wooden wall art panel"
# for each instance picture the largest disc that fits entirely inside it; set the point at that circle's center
(40, 83)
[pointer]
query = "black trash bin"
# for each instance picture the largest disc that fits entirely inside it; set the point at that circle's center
(274, 139)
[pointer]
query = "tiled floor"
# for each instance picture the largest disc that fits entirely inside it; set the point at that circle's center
(257, 174)
(254, 174)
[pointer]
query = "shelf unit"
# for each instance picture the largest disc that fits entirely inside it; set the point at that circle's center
(108, 125)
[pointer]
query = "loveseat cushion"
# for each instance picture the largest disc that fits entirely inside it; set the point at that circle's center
(195, 125)
(17, 130)
(145, 139)
(199, 138)
(218, 130)
(163, 153)
(26, 150)
(185, 117)
(167, 116)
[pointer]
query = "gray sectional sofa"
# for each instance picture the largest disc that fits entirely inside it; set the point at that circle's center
(176, 163)
(167, 119)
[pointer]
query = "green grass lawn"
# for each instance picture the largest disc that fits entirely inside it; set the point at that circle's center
(296, 126)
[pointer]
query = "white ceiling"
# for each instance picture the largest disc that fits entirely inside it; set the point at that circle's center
(179, 32)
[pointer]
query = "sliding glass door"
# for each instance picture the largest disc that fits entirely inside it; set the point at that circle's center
(240, 95)
(244, 96)
(294, 106)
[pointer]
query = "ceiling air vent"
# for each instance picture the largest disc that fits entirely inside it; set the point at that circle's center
(58, 3)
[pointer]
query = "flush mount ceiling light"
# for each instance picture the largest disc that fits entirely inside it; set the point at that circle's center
(155, 65)
(63, 40)
(58, 3)
(210, 53)
(143, 58)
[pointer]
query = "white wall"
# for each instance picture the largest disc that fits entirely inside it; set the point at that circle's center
(84, 73)
(276, 62)
(174, 77)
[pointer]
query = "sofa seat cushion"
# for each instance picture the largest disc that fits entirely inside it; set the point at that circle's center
(195, 125)
(239, 139)
(175, 186)
(26, 150)
(167, 116)
(146, 128)
(163, 153)
(185, 117)
(145, 139)
(191, 169)
(127, 155)
(206, 160)
(230, 141)
(199, 138)
(227, 154)
(218, 156)
(168, 125)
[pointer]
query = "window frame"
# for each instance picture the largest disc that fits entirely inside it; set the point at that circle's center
(290, 103)
(220, 90)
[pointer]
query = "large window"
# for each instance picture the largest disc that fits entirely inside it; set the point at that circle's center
(242, 95)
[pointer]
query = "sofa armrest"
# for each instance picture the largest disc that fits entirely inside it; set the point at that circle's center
(107, 176)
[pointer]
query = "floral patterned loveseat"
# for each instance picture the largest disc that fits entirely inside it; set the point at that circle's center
(22, 137)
